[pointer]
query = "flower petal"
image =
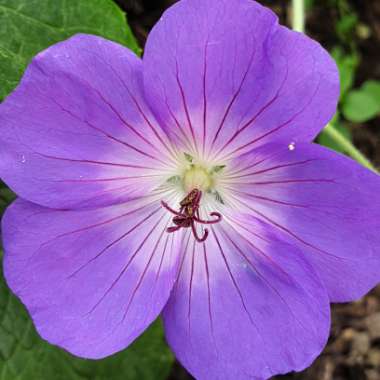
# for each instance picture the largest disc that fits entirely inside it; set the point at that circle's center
(325, 203)
(245, 306)
(76, 132)
(223, 76)
(92, 280)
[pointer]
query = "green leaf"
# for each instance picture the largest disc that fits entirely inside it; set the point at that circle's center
(346, 26)
(372, 88)
(347, 65)
(360, 106)
(6, 197)
(29, 26)
(25, 356)
(309, 4)
(11, 69)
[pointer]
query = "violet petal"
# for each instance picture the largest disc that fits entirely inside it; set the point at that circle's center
(245, 306)
(321, 201)
(223, 76)
(74, 133)
(92, 280)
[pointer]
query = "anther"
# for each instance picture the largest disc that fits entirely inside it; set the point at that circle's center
(188, 214)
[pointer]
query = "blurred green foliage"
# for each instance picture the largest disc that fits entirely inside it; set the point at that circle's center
(357, 105)
(362, 104)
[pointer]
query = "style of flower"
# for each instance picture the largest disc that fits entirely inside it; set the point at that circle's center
(187, 184)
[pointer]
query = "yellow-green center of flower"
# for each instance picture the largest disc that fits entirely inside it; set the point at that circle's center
(197, 177)
(198, 180)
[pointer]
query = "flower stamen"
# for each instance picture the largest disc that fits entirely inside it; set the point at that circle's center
(188, 214)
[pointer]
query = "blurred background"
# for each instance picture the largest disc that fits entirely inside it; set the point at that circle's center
(349, 29)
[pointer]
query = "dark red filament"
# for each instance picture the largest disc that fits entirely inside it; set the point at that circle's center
(188, 214)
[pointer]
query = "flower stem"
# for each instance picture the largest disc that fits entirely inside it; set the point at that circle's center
(333, 133)
(347, 146)
(299, 15)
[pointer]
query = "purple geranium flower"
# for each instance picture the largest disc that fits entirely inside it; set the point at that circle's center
(186, 183)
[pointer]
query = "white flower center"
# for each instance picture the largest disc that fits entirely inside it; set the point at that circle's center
(194, 174)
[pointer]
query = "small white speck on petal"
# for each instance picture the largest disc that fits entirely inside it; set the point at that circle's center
(292, 146)
(23, 159)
